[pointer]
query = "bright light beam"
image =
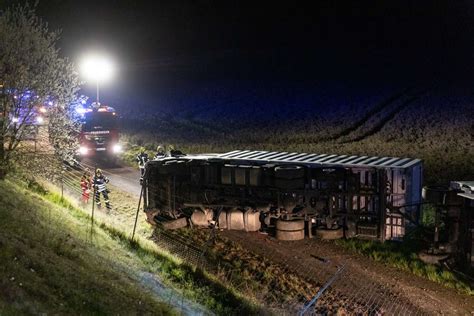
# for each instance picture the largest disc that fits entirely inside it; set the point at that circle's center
(97, 68)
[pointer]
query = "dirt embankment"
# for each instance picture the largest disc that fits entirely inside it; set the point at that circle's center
(380, 288)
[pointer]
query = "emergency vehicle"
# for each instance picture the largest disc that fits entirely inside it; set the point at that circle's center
(99, 133)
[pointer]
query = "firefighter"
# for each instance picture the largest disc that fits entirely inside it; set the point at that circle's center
(86, 186)
(172, 152)
(160, 152)
(142, 159)
(100, 182)
(169, 149)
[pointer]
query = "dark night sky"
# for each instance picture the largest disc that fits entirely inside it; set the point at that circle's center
(157, 42)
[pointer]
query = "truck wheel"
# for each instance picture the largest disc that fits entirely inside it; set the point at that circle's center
(330, 234)
(290, 229)
(296, 224)
(290, 235)
(200, 218)
(175, 223)
(289, 172)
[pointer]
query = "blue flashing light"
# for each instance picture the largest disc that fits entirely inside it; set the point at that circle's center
(80, 110)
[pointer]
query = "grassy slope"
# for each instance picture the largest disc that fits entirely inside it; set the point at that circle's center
(141, 258)
(49, 265)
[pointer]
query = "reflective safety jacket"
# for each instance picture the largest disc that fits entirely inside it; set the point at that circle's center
(100, 182)
(142, 159)
(159, 155)
(85, 184)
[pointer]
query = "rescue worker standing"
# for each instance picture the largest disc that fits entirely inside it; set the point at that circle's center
(100, 182)
(142, 159)
(160, 152)
(172, 152)
(169, 151)
(86, 187)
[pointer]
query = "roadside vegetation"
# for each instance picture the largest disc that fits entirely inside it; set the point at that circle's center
(404, 256)
(141, 256)
(51, 266)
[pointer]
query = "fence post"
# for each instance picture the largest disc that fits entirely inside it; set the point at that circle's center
(136, 216)
(36, 136)
(62, 184)
(93, 202)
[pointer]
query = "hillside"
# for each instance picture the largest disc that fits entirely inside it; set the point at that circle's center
(50, 264)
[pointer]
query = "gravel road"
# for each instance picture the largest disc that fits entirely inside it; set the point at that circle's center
(124, 177)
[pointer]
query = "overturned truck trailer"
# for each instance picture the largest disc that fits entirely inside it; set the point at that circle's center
(296, 194)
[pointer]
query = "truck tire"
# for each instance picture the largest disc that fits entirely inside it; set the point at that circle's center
(252, 221)
(330, 234)
(222, 220)
(290, 225)
(235, 220)
(175, 223)
(289, 229)
(201, 218)
(289, 172)
(290, 235)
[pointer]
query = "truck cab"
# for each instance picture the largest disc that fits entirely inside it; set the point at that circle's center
(99, 133)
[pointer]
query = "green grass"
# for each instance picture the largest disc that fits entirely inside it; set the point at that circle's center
(404, 256)
(196, 284)
(193, 284)
(428, 215)
(50, 265)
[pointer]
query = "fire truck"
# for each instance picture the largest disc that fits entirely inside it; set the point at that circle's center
(100, 133)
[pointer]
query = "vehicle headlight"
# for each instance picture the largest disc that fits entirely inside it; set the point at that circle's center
(83, 150)
(117, 148)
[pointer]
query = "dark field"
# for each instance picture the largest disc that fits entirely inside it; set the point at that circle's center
(431, 122)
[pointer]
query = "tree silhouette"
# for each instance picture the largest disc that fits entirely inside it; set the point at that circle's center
(38, 89)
